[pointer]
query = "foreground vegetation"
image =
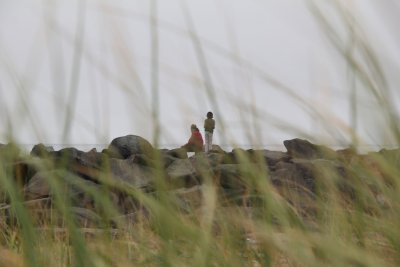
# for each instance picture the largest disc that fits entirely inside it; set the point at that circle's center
(350, 217)
(347, 218)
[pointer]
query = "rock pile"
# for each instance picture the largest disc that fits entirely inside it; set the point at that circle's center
(130, 166)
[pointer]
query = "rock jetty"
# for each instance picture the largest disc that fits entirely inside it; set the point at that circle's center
(131, 167)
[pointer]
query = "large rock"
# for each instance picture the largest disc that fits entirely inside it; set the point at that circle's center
(229, 177)
(296, 176)
(130, 173)
(71, 185)
(70, 156)
(181, 172)
(204, 164)
(313, 176)
(41, 151)
(126, 146)
(297, 185)
(214, 159)
(23, 171)
(299, 148)
(238, 177)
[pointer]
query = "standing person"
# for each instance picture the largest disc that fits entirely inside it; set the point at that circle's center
(209, 125)
(195, 143)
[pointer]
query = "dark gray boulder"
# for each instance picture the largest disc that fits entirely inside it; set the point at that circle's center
(75, 159)
(41, 151)
(299, 148)
(126, 146)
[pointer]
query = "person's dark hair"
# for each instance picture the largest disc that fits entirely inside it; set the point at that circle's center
(193, 126)
(210, 115)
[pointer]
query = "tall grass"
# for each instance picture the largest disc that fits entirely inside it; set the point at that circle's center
(264, 226)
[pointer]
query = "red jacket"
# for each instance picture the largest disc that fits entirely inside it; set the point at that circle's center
(196, 139)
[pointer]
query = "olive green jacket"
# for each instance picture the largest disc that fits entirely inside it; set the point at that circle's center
(209, 125)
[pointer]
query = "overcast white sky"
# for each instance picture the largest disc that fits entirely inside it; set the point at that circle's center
(245, 44)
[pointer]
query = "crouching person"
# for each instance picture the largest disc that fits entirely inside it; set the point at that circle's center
(195, 143)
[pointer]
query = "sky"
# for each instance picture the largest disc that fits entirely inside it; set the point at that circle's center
(80, 73)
